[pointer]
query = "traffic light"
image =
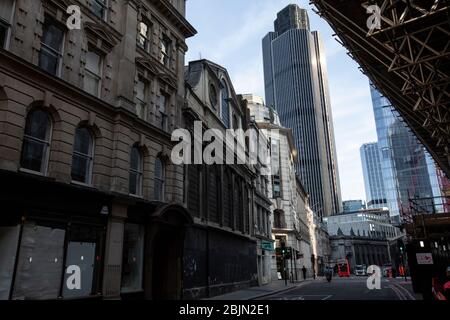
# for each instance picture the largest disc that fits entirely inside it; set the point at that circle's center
(284, 252)
(288, 254)
(401, 246)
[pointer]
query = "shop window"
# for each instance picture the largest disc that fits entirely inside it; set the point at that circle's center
(82, 255)
(82, 156)
(40, 263)
(51, 48)
(36, 143)
(133, 258)
(9, 237)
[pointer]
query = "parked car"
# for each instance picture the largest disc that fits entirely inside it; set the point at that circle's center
(361, 270)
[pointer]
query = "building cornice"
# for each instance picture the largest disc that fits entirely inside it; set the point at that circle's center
(172, 14)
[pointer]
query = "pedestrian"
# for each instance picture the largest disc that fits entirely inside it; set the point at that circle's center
(304, 272)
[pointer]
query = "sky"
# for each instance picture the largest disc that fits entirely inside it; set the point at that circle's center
(230, 34)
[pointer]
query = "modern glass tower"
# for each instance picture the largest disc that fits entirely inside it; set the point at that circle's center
(408, 170)
(373, 177)
(296, 86)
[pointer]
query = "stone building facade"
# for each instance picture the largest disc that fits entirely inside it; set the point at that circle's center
(229, 206)
(360, 250)
(85, 144)
(289, 199)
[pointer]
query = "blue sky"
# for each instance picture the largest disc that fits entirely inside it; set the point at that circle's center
(230, 33)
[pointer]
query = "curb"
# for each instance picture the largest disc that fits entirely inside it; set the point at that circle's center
(279, 291)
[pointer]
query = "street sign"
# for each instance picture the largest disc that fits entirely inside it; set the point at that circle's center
(424, 258)
(267, 245)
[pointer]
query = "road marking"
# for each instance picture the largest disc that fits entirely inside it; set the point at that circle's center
(326, 298)
(398, 292)
(269, 295)
(401, 288)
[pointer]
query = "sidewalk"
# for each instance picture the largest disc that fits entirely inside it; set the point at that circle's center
(276, 286)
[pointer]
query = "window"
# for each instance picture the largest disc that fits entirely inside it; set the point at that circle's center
(51, 48)
(213, 95)
(162, 111)
(165, 52)
(136, 169)
(225, 104)
(133, 258)
(235, 122)
(141, 97)
(9, 239)
(40, 263)
(6, 12)
(82, 156)
(36, 144)
(144, 36)
(159, 180)
(99, 8)
(276, 187)
(93, 74)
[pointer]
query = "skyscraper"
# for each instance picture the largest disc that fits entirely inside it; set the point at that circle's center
(373, 177)
(408, 170)
(296, 85)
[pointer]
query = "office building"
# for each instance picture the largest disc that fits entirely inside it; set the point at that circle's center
(408, 171)
(353, 205)
(373, 177)
(296, 86)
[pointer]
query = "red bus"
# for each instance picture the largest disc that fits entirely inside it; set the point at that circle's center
(343, 268)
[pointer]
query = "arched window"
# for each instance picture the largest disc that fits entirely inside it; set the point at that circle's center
(159, 179)
(136, 170)
(36, 142)
(82, 156)
(225, 104)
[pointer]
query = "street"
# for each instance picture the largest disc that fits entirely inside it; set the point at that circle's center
(353, 288)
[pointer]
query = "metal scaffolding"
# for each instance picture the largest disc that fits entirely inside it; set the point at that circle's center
(406, 54)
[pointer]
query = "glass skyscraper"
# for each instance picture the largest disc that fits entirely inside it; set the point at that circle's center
(373, 178)
(409, 174)
(296, 86)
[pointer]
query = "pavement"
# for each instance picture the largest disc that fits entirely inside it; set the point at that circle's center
(253, 293)
(353, 288)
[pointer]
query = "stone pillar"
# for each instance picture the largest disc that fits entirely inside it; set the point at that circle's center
(113, 252)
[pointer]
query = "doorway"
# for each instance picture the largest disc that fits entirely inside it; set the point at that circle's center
(167, 263)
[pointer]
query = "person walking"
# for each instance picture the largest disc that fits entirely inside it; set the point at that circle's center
(304, 272)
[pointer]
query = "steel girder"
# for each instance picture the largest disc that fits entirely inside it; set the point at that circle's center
(407, 57)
